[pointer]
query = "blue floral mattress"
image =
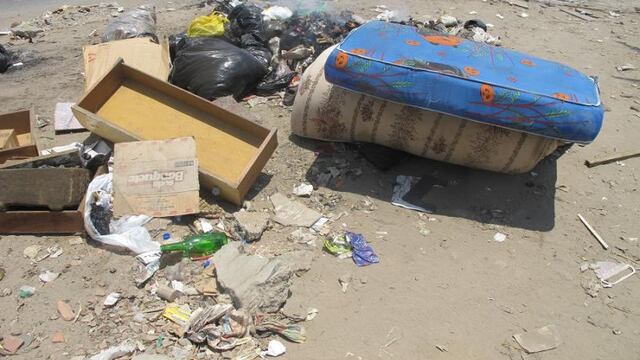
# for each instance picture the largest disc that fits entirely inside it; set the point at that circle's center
(471, 80)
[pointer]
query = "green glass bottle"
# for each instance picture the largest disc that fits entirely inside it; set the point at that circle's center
(198, 245)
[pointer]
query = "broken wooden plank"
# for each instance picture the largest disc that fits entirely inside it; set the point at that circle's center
(610, 159)
(593, 232)
(576, 14)
(41, 222)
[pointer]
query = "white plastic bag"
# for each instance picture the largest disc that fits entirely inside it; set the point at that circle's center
(276, 13)
(127, 231)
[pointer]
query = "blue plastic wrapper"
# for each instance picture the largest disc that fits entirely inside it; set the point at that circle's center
(362, 252)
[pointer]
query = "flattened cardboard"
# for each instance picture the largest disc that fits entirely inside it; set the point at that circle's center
(156, 178)
(129, 105)
(140, 53)
(21, 122)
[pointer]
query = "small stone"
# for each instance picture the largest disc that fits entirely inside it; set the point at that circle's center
(499, 237)
(57, 337)
(12, 343)
(113, 270)
(111, 299)
(250, 224)
(303, 190)
(65, 311)
(616, 332)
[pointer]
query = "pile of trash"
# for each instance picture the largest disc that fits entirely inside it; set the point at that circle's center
(241, 49)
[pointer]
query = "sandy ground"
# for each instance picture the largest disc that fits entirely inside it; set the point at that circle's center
(453, 288)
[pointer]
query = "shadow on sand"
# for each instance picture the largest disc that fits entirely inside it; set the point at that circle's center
(523, 201)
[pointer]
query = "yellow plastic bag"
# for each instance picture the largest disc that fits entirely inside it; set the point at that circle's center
(211, 25)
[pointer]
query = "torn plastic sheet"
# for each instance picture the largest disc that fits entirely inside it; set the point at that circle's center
(403, 185)
(607, 270)
(125, 232)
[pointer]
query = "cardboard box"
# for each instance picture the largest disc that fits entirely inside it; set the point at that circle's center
(21, 123)
(156, 178)
(140, 53)
(128, 105)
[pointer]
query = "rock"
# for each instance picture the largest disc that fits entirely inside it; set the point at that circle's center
(254, 283)
(291, 213)
(26, 30)
(57, 337)
(12, 343)
(65, 311)
(301, 236)
(298, 261)
(111, 299)
(250, 224)
(303, 190)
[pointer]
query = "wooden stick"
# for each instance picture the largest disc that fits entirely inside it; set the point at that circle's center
(602, 161)
(576, 14)
(593, 232)
(518, 3)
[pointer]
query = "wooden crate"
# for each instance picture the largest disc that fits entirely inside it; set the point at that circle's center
(128, 105)
(21, 122)
(29, 221)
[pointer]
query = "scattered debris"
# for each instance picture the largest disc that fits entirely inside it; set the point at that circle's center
(255, 282)
(593, 232)
(303, 190)
(607, 270)
(576, 14)
(351, 245)
(275, 348)
(290, 213)
(57, 337)
(625, 67)
(26, 291)
(115, 352)
(48, 276)
(544, 338)
(344, 282)
(499, 237)
(401, 188)
(442, 348)
(111, 299)
(65, 310)
(167, 293)
(610, 159)
(12, 343)
(250, 225)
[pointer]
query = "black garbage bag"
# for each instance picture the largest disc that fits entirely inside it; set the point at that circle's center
(139, 22)
(211, 67)
(174, 40)
(5, 59)
(246, 19)
(256, 48)
(277, 80)
(246, 29)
